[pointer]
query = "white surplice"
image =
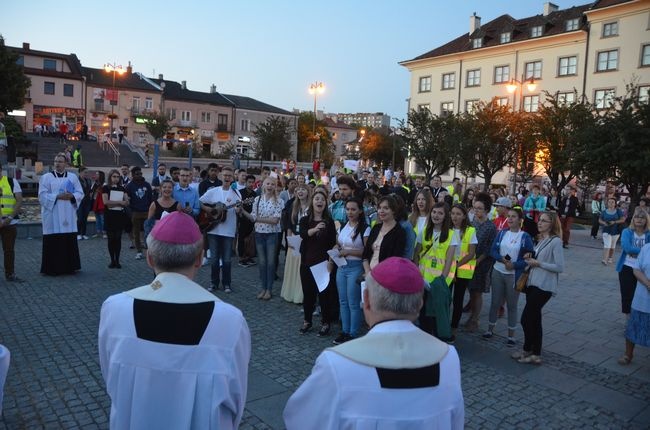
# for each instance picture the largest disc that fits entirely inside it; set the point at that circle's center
(342, 393)
(58, 216)
(155, 385)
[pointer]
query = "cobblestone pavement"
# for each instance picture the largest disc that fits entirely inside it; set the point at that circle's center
(50, 326)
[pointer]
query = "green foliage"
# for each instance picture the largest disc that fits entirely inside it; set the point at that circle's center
(563, 134)
(273, 138)
(380, 146)
(430, 140)
(487, 140)
(14, 83)
(157, 124)
(307, 142)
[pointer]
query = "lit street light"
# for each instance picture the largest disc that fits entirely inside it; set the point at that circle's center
(316, 88)
(114, 69)
(512, 88)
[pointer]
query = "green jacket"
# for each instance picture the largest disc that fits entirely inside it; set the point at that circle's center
(437, 305)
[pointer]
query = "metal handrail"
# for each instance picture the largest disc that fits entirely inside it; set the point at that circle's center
(138, 150)
(116, 152)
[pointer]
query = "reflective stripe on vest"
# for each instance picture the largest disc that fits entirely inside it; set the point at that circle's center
(432, 260)
(7, 199)
(466, 271)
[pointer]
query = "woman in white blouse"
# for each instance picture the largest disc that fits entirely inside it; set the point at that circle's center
(298, 207)
(266, 213)
(420, 212)
(351, 241)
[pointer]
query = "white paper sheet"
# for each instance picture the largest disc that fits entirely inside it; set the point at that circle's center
(363, 288)
(335, 254)
(116, 196)
(294, 241)
(321, 275)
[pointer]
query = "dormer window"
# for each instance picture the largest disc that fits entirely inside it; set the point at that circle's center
(505, 37)
(536, 31)
(477, 43)
(572, 24)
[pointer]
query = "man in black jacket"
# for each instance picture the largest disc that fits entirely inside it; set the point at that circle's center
(568, 210)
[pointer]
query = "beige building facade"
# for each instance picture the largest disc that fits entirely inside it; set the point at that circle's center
(593, 49)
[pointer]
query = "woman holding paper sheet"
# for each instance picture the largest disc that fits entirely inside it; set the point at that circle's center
(115, 201)
(387, 238)
(318, 236)
(296, 208)
(350, 244)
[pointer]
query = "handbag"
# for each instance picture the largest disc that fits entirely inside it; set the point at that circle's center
(522, 281)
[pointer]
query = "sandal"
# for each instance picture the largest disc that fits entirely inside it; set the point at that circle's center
(306, 326)
(624, 360)
(324, 330)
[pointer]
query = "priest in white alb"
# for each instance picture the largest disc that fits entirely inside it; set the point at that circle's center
(173, 355)
(395, 377)
(59, 193)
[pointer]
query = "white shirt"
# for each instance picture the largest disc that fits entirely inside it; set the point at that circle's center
(267, 208)
(472, 241)
(641, 300)
(343, 394)
(228, 197)
(421, 225)
(156, 385)
(59, 216)
(346, 239)
(510, 245)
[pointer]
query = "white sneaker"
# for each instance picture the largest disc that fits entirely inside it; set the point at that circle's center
(138, 256)
(85, 237)
(78, 237)
(209, 254)
(205, 262)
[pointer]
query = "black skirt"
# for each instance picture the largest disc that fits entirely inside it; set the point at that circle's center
(60, 254)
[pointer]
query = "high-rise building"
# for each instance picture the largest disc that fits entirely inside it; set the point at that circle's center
(374, 120)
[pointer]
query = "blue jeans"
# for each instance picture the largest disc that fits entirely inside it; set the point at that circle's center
(350, 296)
(99, 223)
(221, 249)
(265, 244)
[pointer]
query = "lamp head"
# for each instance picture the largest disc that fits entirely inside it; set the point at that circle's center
(531, 85)
(511, 86)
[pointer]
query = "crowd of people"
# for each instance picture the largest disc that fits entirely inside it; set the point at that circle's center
(395, 259)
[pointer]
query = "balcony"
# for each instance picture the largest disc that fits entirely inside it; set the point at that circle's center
(99, 108)
(182, 123)
(223, 128)
(135, 111)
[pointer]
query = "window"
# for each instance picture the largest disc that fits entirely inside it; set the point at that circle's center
(470, 105)
(604, 98)
(505, 37)
(171, 113)
(99, 105)
(68, 90)
(424, 106)
(531, 103)
(566, 98)
(501, 74)
(610, 29)
(446, 108)
(474, 78)
(536, 31)
(245, 125)
(607, 60)
(21, 60)
(222, 122)
(135, 104)
(534, 70)
(503, 101)
(568, 66)
(148, 103)
(645, 55)
(49, 64)
(448, 81)
(644, 94)
(48, 88)
(477, 43)
(205, 117)
(425, 84)
(186, 115)
(572, 24)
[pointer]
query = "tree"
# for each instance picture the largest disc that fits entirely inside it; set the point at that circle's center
(488, 140)
(562, 132)
(157, 125)
(380, 146)
(272, 137)
(14, 82)
(307, 142)
(618, 149)
(429, 140)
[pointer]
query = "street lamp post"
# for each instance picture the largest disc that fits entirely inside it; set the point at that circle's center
(114, 69)
(512, 88)
(315, 89)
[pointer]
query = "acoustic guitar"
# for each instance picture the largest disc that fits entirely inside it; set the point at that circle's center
(218, 214)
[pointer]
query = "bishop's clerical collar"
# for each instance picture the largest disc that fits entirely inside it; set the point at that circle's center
(60, 175)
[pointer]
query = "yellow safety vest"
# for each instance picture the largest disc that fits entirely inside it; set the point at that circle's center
(466, 271)
(7, 199)
(433, 257)
(454, 195)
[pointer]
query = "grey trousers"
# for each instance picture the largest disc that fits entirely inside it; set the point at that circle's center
(503, 287)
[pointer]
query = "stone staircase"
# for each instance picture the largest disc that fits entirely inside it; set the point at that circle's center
(91, 151)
